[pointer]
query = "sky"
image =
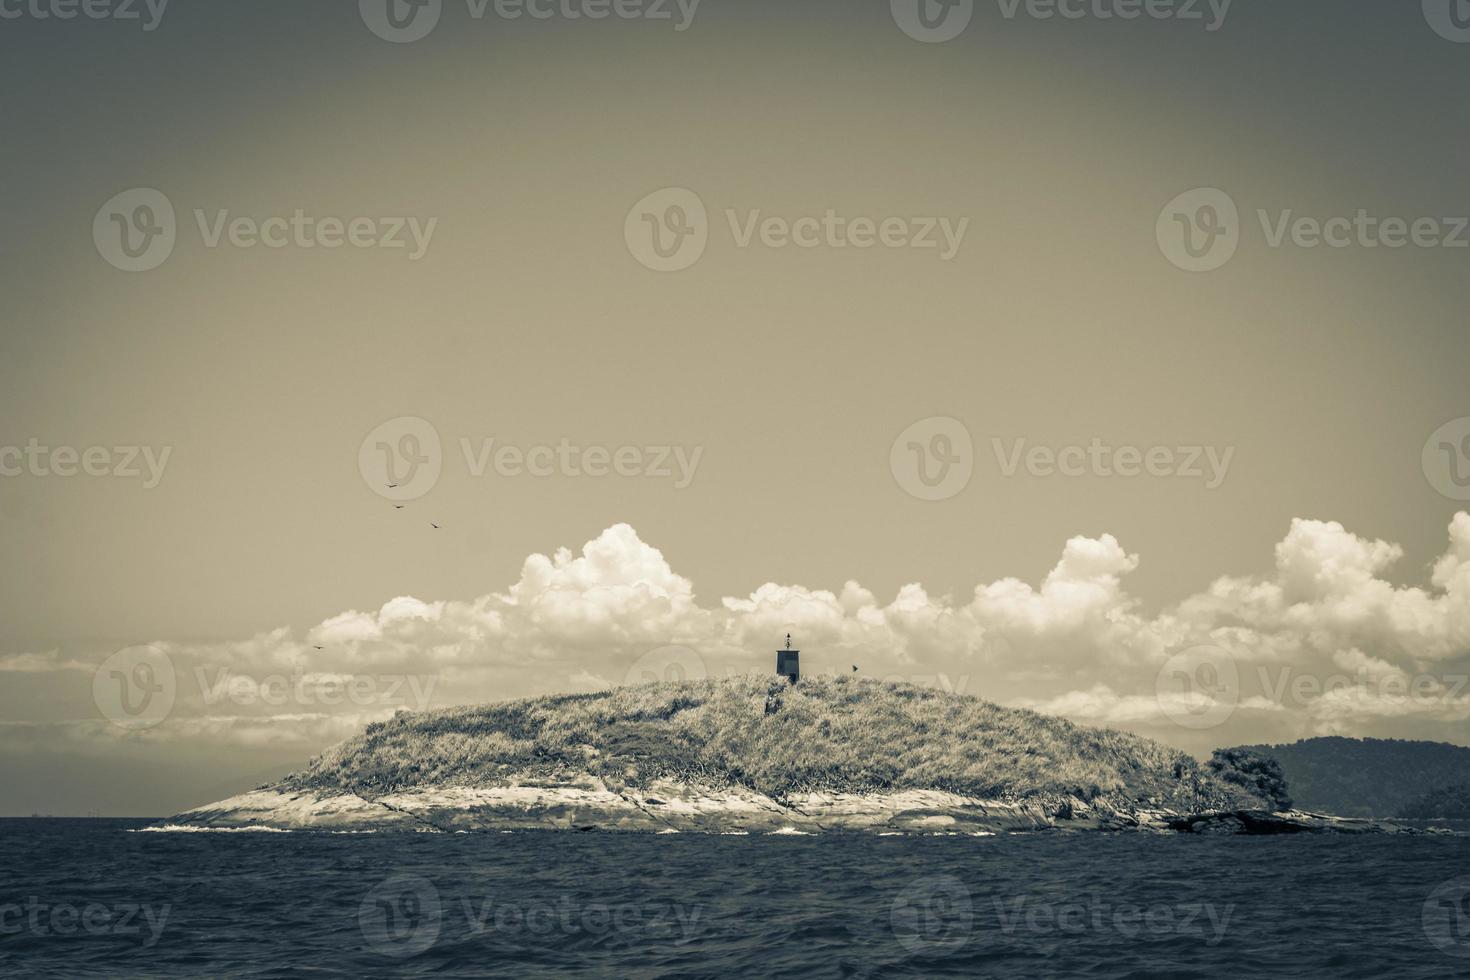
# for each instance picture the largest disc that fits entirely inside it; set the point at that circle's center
(1112, 367)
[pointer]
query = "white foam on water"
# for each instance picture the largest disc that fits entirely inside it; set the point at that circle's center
(174, 828)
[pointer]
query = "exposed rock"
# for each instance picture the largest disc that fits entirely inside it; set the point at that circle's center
(591, 804)
(1263, 822)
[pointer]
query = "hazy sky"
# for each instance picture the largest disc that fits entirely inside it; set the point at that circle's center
(770, 394)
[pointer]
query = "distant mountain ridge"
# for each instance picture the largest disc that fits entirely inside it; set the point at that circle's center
(1361, 777)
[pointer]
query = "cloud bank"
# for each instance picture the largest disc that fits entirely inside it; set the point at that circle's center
(1322, 643)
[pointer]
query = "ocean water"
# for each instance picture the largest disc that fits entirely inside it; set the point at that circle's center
(103, 898)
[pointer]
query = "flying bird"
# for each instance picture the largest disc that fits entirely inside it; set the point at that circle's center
(854, 668)
(397, 506)
(316, 648)
(433, 525)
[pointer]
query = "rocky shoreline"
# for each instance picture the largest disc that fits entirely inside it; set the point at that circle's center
(591, 803)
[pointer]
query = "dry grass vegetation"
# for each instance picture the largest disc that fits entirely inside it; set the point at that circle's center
(834, 734)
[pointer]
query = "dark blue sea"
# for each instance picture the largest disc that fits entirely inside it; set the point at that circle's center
(99, 898)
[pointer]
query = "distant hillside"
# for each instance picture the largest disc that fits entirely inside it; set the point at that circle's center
(1451, 802)
(825, 734)
(1369, 776)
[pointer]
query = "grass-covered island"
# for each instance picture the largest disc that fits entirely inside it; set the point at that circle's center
(752, 755)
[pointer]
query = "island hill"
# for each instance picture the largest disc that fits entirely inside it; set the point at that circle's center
(751, 755)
